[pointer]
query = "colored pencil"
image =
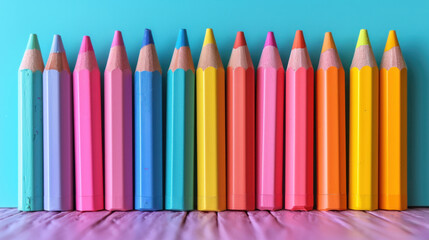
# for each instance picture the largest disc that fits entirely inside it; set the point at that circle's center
(393, 127)
(87, 130)
(58, 131)
(30, 128)
(211, 169)
(299, 118)
(180, 143)
(363, 135)
(240, 98)
(149, 190)
(118, 132)
(270, 86)
(331, 129)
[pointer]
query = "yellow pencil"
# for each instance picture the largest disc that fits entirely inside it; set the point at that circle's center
(211, 170)
(393, 127)
(363, 132)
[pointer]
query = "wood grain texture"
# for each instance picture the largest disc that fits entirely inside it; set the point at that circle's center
(237, 225)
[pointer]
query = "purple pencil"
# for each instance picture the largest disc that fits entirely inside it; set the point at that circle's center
(57, 131)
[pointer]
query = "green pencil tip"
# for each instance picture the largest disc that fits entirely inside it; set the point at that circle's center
(363, 38)
(33, 42)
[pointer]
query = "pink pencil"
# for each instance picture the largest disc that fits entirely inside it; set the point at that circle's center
(118, 135)
(269, 127)
(299, 128)
(87, 130)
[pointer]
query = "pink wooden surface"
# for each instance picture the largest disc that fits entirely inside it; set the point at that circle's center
(237, 225)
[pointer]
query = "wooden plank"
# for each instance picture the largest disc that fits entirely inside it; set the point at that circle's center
(235, 225)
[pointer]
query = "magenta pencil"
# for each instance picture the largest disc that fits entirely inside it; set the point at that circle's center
(87, 129)
(118, 133)
(299, 128)
(269, 127)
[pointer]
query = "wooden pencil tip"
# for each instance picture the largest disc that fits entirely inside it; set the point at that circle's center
(328, 43)
(86, 45)
(182, 39)
(299, 41)
(363, 38)
(209, 38)
(270, 40)
(240, 40)
(33, 42)
(117, 39)
(392, 41)
(147, 37)
(57, 44)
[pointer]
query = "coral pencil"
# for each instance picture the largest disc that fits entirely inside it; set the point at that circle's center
(180, 143)
(149, 185)
(240, 98)
(211, 169)
(118, 135)
(299, 128)
(30, 128)
(269, 127)
(87, 130)
(363, 135)
(58, 131)
(331, 129)
(393, 127)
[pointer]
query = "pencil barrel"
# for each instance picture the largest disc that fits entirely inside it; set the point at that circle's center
(211, 162)
(58, 141)
(149, 177)
(299, 139)
(180, 135)
(393, 139)
(241, 138)
(30, 140)
(363, 138)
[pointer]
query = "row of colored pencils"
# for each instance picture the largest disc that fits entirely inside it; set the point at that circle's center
(253, 137)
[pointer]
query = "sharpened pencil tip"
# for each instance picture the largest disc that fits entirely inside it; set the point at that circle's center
(392, 41)
(299, 41)
(240, 40)
(147, 37)
(57, 44)
(182, 39)
(33, 42)
(117, 39)
(363, 38)
(86, 45)
(270, 40)
(328, 43)
(209, 38)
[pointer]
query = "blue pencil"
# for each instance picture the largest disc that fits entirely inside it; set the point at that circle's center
(30, 129)
(180, 130)
(148, 128)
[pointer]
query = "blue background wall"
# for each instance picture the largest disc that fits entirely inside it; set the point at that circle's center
(73, 19)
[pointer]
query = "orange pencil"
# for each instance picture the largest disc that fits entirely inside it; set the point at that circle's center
(240, 85)
(331, 129)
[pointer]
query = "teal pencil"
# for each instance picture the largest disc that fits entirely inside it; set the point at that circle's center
(30, 128)
(179, 189)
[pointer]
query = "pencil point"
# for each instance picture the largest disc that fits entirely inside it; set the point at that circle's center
(33, 42)
(363, 38)
(328, 43)
(86, 45)
(240, 40)
(117, 39)
(392, 41)
(209, 38)
(270, 40)
(182, 39)
(147, 37)
(299, 41)
(57, 44)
